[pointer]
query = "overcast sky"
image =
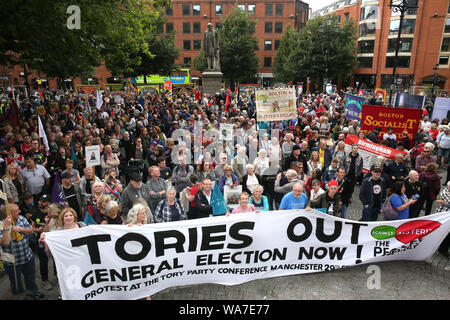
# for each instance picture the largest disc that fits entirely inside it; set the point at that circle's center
(318, 4)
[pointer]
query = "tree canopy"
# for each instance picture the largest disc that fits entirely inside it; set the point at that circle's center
(35, 33)
(304, 54)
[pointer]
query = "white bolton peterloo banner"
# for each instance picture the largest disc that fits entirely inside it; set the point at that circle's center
(120, 262)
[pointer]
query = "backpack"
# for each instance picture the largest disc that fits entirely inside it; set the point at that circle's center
(388, 210)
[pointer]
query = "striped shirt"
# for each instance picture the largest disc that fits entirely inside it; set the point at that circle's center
(20, 249)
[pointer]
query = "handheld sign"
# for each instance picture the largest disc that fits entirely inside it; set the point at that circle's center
(92, 156)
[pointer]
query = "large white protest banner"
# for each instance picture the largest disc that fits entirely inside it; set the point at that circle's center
(276, 104)
(121, 262)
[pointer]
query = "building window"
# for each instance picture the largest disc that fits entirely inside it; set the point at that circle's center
(195, 9)
(268, 27)
(407, 27)
(187, 61)
(252, 9)
(187, 45)
(365, 62)
(219, 25)
(219, 10)
(447, 25)
(278, 27)
(197, 45)
(369, 12)
(443, 60)
(169, 11)
(268, 45)
(269, 9)
(277, 44)
(186, 27)
(186, 10)
(409, 12)
(367, 29)
(241, 7)
(347, 16)
(366, 46)
(169, 27)
(405, 45)
(196, 27)
(279, 9)
(403, 62)
(445, 45)
(267, 62)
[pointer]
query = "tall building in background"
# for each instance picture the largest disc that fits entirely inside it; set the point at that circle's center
(425, 42)
(189, 18)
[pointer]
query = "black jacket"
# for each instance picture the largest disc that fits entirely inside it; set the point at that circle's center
(366, 192)
(202, 207)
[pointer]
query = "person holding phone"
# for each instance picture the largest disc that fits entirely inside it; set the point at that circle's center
(414, 189)
(400, 201)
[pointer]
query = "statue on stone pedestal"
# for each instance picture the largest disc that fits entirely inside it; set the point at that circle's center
(211, 48)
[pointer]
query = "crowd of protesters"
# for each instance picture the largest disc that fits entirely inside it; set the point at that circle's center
(153, 172)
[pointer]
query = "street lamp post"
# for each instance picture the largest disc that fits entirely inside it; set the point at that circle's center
(325, 33)
(403, 7)
(435, 70)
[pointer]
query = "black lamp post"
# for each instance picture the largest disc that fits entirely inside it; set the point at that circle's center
(326, 36)
(435, 70)
(404, 7)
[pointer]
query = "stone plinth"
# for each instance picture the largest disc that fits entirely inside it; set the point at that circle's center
(212, 82)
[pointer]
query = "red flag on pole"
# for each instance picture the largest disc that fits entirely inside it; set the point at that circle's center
(227, 101)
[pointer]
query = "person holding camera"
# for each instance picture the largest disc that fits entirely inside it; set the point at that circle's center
(113, 187)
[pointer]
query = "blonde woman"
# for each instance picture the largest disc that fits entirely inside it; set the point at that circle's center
(13, 185)
(52, 222)
(137, 216)
(340, 153)
(314, 161)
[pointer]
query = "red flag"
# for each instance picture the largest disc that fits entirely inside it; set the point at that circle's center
(40, 93)
(227, 101)
(236, 91)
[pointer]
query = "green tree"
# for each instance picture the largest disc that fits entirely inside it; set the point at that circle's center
(200, 62)
(238, 60)
(304, 54)
(286, 59)
(163, 53)
(113, 32)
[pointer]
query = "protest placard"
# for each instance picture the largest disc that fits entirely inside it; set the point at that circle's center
(276, 104)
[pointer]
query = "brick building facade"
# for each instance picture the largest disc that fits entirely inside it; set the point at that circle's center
(425, 42)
